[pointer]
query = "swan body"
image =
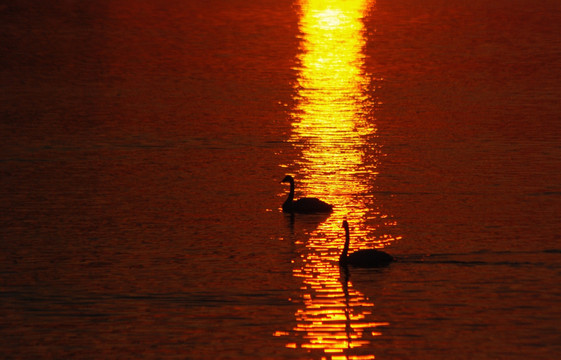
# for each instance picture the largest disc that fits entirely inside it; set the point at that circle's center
(303, 205)
(362, 258)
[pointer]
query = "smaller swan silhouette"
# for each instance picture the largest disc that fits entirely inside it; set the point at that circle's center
(363, 258)
(303, 205)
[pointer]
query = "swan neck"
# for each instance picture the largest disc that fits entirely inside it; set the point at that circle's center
(291, 194)
(287, 206)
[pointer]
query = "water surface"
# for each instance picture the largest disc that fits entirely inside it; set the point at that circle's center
(143, 146)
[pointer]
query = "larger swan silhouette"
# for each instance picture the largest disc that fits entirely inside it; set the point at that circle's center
(303, 205)
(363, 258)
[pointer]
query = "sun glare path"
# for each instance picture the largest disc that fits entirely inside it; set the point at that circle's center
(331, 125)
(335, 132)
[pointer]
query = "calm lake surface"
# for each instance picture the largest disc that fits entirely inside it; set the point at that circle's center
(143, 144)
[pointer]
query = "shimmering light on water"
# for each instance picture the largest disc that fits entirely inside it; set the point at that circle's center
(334, 128)
(331, 119)
(334, 117)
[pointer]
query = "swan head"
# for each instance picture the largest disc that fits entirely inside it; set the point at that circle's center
(287, 179)
(345, 225)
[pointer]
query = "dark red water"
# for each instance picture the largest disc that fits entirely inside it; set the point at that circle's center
(143, 146)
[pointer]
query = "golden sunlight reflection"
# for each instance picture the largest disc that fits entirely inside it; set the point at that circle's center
(332, 124)
(335, 133)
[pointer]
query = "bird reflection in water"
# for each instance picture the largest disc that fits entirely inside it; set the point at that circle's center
(335, 316)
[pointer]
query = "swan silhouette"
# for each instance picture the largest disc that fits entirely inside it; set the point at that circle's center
(303, 205)
(363, 258)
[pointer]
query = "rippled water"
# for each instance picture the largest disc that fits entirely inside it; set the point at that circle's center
(144, 144)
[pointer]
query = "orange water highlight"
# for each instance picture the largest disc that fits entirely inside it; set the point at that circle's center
(333, 123)
(335, 132)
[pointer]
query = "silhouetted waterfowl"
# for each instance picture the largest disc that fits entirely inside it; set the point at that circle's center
(362, 258)
(303, 205)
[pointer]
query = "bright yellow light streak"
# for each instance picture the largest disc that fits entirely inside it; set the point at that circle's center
(331, 116)
(334, 131)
